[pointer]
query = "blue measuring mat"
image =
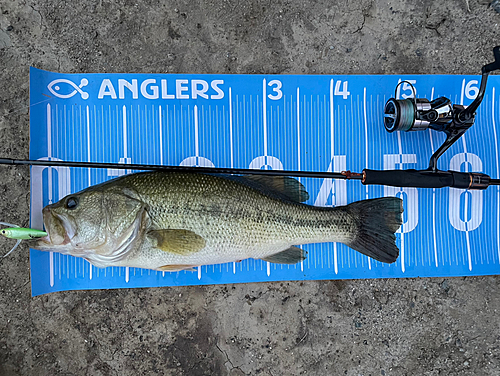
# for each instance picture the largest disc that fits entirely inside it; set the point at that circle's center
(293, 122)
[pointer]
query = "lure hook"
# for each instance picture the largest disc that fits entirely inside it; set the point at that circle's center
(19, 233)
(4, 233)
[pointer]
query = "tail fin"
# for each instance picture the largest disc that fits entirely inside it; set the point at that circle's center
(377, 220)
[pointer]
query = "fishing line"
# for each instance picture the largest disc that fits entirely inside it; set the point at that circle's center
(28, 106)
(399, 115)
(3, 232)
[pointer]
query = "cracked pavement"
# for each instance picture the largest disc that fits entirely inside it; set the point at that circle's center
(427, 326)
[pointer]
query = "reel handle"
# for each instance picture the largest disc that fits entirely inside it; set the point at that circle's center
(496, 64)
(469, 112)
(426, 179)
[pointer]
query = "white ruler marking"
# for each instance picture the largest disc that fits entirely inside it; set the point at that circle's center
(402, 255)
(160, 130)
(89, 170)
(49, 171)
(332, 151)
(125, 151)
(498, 169)
(466, 205)
(125, 156)
(231, 139)
(462, 92)
(298, 127)
(264, 115)
(231, 127)
(196, 139)
(366, 155)
(298, 133)
(433, 198)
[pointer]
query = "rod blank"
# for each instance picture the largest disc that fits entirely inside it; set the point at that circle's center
(211, 170)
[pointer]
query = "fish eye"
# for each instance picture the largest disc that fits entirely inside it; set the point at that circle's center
(71, 203)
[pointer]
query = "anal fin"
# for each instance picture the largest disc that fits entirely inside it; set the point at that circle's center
(177, 268)
(290, 255)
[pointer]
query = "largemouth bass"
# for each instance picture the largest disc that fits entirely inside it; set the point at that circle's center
(172, 221)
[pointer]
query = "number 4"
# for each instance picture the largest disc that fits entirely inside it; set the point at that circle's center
(345, 93)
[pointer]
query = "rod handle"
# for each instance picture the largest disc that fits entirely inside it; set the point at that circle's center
(426, 179)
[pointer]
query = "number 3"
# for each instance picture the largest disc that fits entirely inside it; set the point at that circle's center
(276, 89)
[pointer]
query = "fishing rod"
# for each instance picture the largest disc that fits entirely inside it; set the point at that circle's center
(208, 170)
(395, 178)
(410, 114)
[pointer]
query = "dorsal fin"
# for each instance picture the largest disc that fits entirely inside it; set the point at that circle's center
(281, 186)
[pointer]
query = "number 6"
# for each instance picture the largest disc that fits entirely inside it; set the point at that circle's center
(471, 91)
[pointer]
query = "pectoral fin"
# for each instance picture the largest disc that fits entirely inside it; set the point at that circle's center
(291, 255)
(177, 268)
(182, 242)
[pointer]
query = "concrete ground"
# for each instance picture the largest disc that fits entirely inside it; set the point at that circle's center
(428, 326)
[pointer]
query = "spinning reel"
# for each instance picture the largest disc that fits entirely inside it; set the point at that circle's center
(417, 114)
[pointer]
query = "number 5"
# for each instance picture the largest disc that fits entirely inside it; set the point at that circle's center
(407, 87)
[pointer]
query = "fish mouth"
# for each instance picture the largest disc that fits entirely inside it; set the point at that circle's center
(59, 229)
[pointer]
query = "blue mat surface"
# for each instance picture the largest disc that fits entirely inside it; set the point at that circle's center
(293, 122)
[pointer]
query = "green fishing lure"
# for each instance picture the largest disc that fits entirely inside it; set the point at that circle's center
(19, 233)
(22, 233)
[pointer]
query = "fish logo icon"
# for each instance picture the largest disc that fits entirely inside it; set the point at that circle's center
(55, 88)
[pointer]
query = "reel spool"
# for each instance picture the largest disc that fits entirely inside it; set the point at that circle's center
(417, 114)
